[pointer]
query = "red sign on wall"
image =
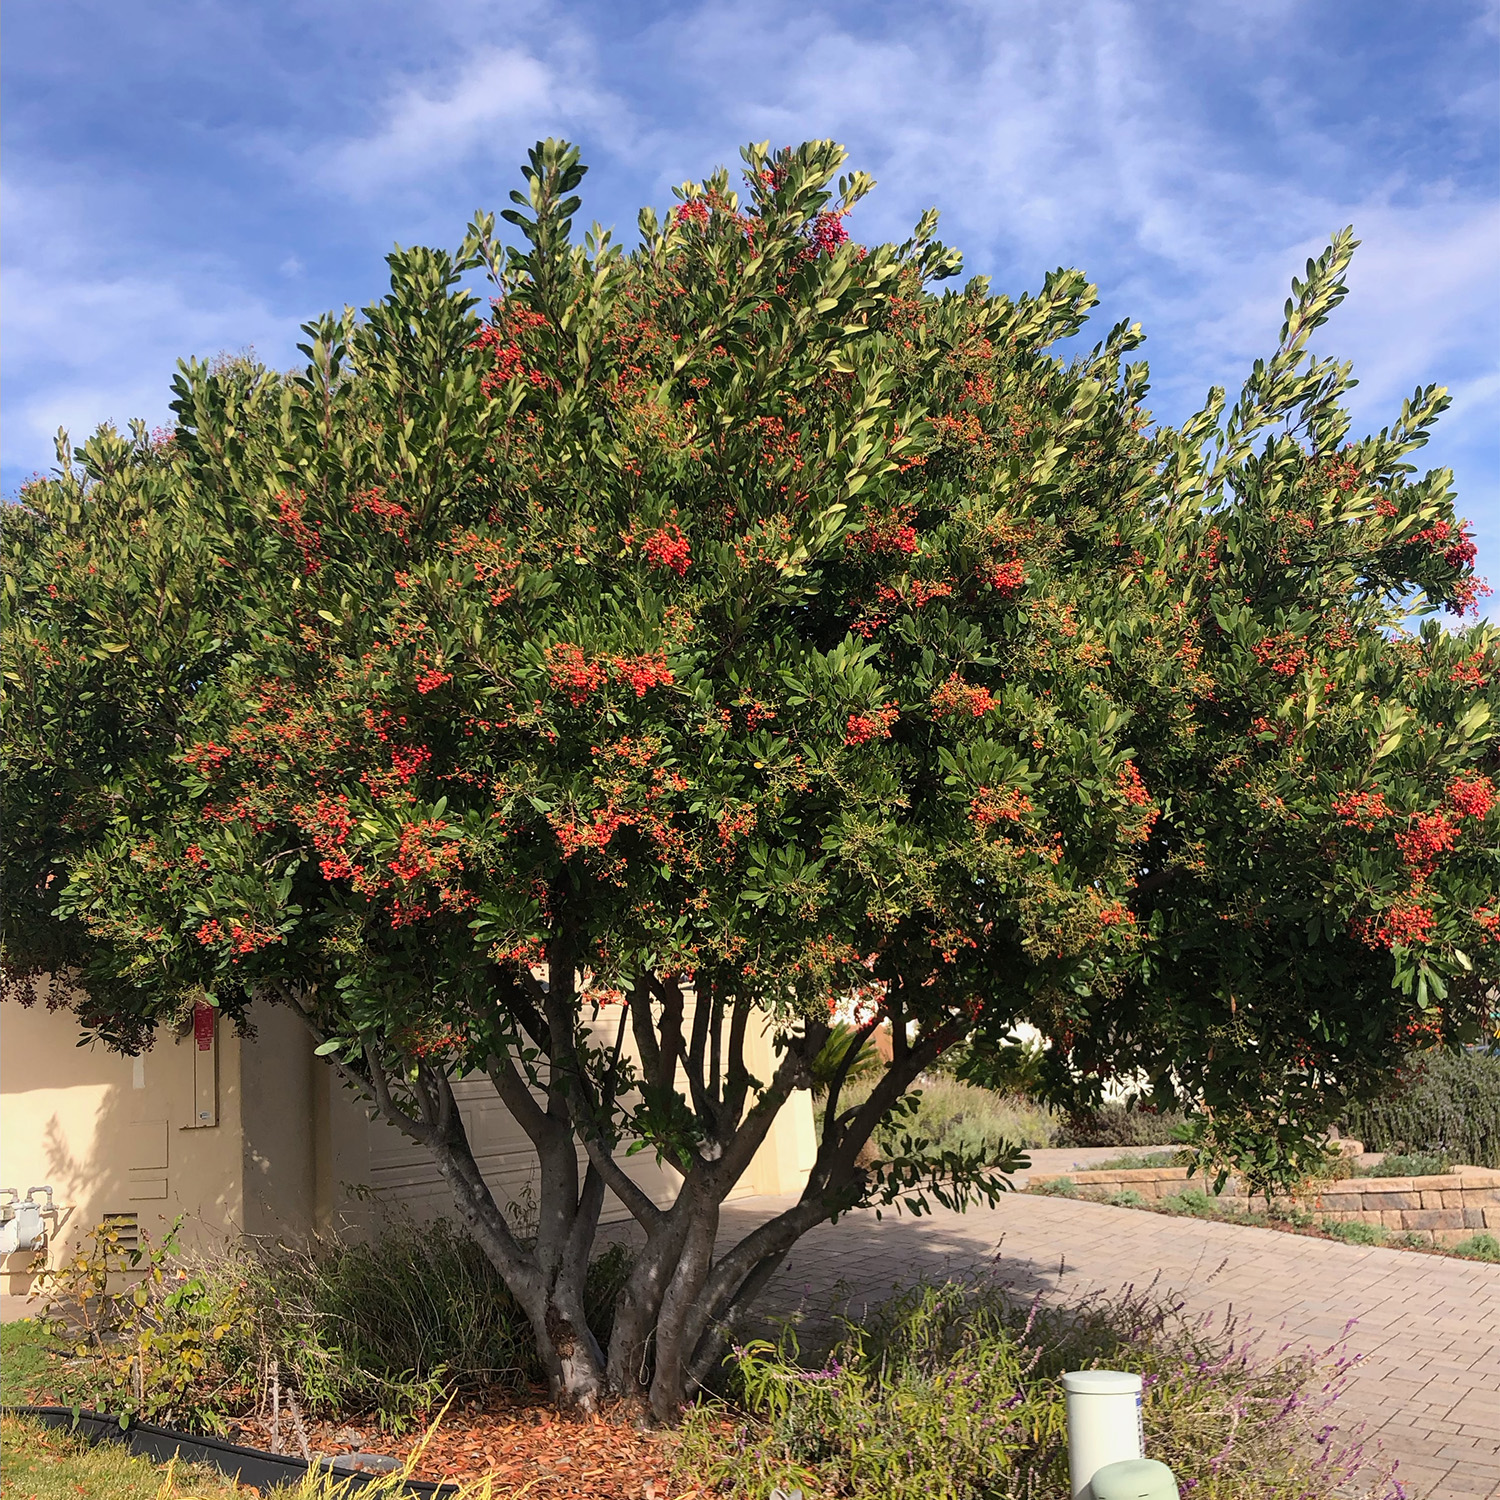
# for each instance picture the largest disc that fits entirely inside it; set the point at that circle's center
(203, 1026)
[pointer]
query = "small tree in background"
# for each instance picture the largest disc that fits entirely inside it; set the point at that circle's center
(732, 628)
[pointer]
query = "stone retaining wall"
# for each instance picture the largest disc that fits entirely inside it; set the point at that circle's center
(1437, 1210)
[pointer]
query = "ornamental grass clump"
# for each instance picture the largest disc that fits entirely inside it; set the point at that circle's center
(958, 1116)
(954, 1391)
(384, 1330)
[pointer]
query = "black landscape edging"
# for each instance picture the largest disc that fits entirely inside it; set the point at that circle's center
(251, 1465)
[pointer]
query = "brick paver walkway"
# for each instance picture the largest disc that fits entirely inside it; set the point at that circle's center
(1427, 1326)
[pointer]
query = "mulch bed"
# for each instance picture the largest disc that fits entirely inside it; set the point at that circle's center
(521, 1442)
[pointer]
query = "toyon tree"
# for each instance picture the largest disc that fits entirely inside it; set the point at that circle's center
(726, 633)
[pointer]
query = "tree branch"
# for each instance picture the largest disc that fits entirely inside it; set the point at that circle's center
(578, 1102)
(398, 1117)
(706, 998)
(506, 1079)
(841, 1073)
(720, 1324)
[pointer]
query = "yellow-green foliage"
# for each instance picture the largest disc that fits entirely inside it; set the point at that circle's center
(152, 1348)
(955, 1115)
(382, 1329)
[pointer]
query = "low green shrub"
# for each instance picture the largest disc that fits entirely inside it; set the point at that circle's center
(1355, 1231)
(1444, 1104)
(1193, 1201)
(172, 1344)
(384, 1329)
(953, 1392)
(1114, 1125)
(419, 1308)
(1478, 1247)
(1057, 1187)
(1145, 1159)
(1418, 1165)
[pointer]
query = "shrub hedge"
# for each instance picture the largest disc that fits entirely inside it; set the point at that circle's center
(1114, 1125)
(1446, 1104)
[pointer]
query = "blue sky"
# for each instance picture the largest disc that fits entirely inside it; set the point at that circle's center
(192, 176)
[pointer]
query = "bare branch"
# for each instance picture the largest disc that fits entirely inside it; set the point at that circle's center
(720, 1324)
(737, 1082)
(388, 1106)
(624, 1187)
(841, 1073)
(706, 993)
(775, 1236)
(747, 1139)
(639, 1002)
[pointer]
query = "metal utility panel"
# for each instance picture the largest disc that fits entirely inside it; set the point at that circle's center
(205, 1045)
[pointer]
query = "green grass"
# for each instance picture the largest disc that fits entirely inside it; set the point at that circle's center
(44, 1464)
(1130, 1163)
(23, 1361)
(1356, 1232)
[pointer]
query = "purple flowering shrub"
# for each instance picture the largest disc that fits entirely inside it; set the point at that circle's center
(952, 1392)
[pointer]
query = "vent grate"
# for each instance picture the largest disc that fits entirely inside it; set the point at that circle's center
(127, 1227)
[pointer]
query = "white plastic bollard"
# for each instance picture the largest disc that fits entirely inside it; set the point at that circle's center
(1104, 1424)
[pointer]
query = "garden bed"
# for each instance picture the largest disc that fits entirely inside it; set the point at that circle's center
(519, 1440)
(520, 1444)
(512, 1434)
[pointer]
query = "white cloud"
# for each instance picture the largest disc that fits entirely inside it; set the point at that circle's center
(89, 341)
(431, 125)
(1069, 136)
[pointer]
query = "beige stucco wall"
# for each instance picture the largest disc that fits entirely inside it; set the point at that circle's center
(290, 1151)
(400, 1172)
(115, 1135)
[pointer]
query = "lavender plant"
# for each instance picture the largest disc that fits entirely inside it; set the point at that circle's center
(952, 1392)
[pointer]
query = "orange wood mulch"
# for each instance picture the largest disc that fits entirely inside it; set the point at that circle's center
(524, 1446)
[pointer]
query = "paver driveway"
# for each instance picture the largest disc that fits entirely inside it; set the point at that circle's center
(1428, 1326)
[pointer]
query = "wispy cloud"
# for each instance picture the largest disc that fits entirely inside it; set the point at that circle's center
(433, 125)
(88, 340)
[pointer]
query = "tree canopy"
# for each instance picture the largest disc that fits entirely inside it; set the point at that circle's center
(743, 625)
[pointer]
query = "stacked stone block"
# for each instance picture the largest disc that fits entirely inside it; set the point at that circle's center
(1439, 1210)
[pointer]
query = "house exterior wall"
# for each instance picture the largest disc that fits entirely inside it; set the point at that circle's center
(258, 1136)
(113, 1135)
(402, 1174)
